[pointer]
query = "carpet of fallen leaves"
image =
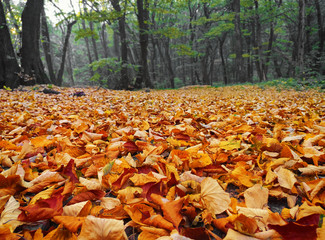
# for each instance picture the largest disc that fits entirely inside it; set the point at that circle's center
(197, 163)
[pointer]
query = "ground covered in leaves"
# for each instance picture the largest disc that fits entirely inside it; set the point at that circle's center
(196, 163)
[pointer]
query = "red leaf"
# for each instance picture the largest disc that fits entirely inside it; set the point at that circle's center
(43, 209)
(131, 147)
(70, 171)
(89, 195)
(303, 229)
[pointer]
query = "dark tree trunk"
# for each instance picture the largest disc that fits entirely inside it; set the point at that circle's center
(31, 62)
(321, 37)
(143, 18)
(269, 48)
(90, 60)
(258, 45)
(223, 63)
(301, 38)
(240, 75)
(169, 64)
(64, 52)
(9, 68)
(93, 41)
(104, 40)
(46, 42)
(69, 67)
(124, 82)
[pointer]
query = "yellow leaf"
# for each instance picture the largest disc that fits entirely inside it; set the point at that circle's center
(256, 196)
(286, 178)
(200, 160)
(230, 145)
(214, 198)
(10, 214)
(100, 228)
(42, 195)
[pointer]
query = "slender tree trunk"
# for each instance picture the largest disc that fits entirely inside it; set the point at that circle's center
(124, 81)
(93, 41)
(277, 68)
(192, 37)
(90, 60)
(258, 45)
(169, 64)
(301, 37)
(321, 37)
(30, 52)
(64, 53)
(269, 48)
(46, 42)
(69, 67)
(223, 63)
(143, 18)
(9, 68)
(104, 40)
(240, 75)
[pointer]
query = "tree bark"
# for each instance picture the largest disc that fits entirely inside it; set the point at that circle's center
(104, 40)
(46, 42)
(143, 18)
(90, 60)
(240, 75)
(124, 81)
(301, 37)
(169, 64)
(321, 37)
(258, 45)
(9, 67)
(223, 63)
(64, 52)
(31, 62)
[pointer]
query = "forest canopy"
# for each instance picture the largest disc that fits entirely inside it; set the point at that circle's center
(160, 44)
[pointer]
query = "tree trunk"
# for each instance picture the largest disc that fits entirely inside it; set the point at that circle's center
(301, 37)
(90, 60)
(258, 45)
(93, 41)
(31, 62)
(240, 75)
(321, 37)
(223, 63)
(124, 81)
(64, 52)
(46, 42)
(69, 67)
(143, 18)
(9, 68)
(104, 40)
(169, 64)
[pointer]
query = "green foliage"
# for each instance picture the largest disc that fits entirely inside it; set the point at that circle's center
(6, 88)
(295, 83)
(184, 50)
(170, 32)
(82, 33)
(219, 29)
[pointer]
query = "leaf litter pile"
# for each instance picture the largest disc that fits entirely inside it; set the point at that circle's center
(227, 163)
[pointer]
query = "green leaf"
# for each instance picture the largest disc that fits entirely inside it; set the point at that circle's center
(108, 167)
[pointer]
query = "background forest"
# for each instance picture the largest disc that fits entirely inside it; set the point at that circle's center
(127, 44)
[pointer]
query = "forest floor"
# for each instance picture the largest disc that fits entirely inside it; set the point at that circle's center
(240, 162)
